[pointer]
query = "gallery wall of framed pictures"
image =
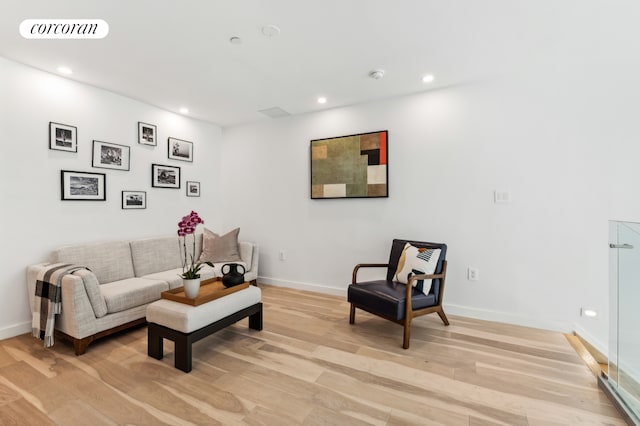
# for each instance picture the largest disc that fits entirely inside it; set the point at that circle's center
(116, 157)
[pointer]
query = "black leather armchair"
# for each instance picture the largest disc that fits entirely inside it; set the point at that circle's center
(396, 301)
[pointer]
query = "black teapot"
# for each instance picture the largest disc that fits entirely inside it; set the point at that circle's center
(232, 277)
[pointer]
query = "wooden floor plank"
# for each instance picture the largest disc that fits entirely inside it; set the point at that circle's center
(310, 366)
(22, 413)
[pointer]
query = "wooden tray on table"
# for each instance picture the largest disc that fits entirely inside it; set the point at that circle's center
(210, 289)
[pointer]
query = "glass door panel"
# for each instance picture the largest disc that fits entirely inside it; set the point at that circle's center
(624, 356)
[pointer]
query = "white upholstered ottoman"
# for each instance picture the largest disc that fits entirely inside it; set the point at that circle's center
(185, 324)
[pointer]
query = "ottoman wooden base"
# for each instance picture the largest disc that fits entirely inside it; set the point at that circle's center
(183, 341)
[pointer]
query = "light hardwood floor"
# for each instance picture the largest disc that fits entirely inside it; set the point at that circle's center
(309, 366)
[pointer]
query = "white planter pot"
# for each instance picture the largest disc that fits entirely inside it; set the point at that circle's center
(191, 287)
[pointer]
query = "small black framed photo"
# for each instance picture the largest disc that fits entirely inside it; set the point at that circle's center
(165, 176)
(63, 137)
(134, 200)
(147, 134)
(83, 186)
(193, 189)
(180, 150)
(108, 155)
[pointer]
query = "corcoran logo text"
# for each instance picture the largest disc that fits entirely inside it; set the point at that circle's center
(64, 28)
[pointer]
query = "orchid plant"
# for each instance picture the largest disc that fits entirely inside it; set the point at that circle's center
(187, 226)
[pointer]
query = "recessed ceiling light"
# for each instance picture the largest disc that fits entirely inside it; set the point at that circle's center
(427, 78)
(270, 31)
(184, 110)
(322, 100)
(235, 40)
(64, 70)
(376, 74)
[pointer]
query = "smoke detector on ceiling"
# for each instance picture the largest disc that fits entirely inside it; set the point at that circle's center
(376, 74)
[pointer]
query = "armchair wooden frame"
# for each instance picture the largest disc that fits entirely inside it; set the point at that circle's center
(409, 312)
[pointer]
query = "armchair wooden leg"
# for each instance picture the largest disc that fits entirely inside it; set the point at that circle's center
(442, 316)
(352, 314)
(407, 334)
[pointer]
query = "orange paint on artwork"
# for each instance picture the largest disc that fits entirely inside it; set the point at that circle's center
(383, 148)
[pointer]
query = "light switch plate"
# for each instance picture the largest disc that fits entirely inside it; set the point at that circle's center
(501, 197)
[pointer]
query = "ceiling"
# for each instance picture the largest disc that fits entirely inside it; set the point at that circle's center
(172, 53)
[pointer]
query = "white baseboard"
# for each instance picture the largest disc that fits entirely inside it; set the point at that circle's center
(497, 316)
(483, 314)
(601, 346)
(318, 288)
(15, 330)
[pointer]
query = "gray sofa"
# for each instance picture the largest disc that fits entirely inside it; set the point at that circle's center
(123, 278)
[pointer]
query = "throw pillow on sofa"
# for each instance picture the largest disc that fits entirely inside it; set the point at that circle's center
(216, 248)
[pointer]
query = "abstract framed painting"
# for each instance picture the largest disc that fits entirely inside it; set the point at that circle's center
(165, 176)
(83, 186)
(353, 166)
(180, 150)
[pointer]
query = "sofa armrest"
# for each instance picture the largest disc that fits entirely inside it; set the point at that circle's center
(92, 287)
(254, 259)
(77, 318)
(250, 255)
(32, 276)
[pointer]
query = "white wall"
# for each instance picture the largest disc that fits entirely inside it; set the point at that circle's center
(561, 139)
(558, 139)
(34, 220)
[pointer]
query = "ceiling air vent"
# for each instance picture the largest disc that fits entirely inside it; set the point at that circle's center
(275, 112)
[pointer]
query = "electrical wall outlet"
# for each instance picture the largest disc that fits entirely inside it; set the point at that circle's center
(473, 274)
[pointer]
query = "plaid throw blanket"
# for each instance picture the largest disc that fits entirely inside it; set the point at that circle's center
(49, 299)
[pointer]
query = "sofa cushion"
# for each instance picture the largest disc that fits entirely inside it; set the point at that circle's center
(216, 248)
(187, 319)
(109, 261)
(92, 287)
(129, 293)
(156, 254)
